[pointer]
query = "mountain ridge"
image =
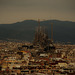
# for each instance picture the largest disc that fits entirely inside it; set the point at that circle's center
(62, 30)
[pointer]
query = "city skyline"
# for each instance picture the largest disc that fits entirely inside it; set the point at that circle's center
(12, 11)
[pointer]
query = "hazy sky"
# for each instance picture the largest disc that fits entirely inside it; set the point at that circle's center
(18, 10)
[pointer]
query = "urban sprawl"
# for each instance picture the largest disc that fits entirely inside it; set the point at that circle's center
(42, 57)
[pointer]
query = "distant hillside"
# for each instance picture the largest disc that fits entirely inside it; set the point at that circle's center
(63, 31)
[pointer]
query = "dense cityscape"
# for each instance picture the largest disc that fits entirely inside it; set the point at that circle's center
(41, 57)
(20, 58)
(37, 37)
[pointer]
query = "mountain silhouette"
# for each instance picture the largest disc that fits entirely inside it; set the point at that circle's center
(63, 31)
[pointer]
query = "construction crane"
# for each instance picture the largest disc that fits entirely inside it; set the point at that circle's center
(51, 32)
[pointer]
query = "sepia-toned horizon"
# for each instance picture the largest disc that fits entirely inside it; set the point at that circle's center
(12, 11)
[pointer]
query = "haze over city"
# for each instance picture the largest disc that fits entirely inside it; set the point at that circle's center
(12, 11)
(37, 37)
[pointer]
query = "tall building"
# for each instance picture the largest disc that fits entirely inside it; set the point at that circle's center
(41, 38)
